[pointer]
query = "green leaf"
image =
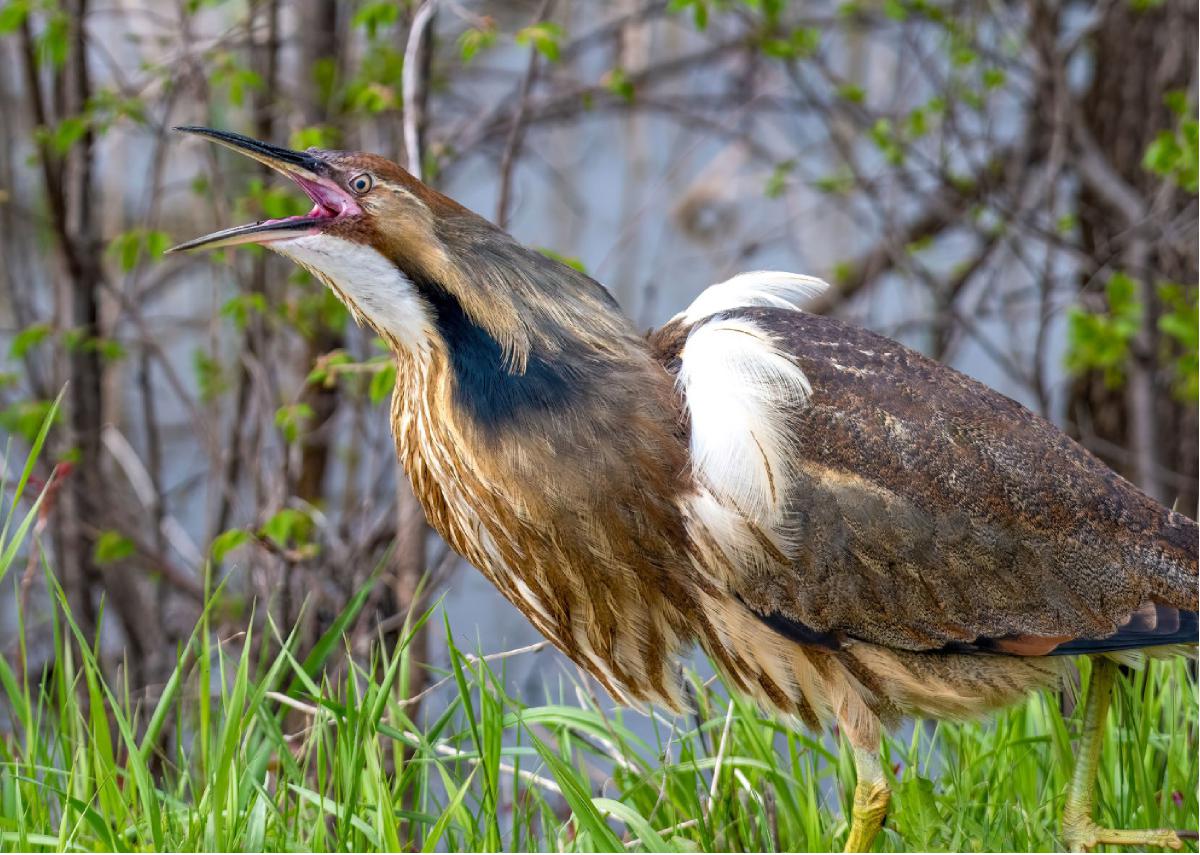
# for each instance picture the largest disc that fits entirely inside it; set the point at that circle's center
(131, 246)
(241, 308)
(569, 260)
(110, 349)
(286, 526)
(544, 37)
(54, 42)
(12, 15)
(68, 132)
(320, 375)
(210, 375)
(111, 546)
(618, 83)
(1176, 101)
(963, 55)
(916, 123)
(993, 78)
(276, 202)
(474, 40)
(227, 541)
(1180, 323)
(156, 242)
(315, 136)
(382, 383)
(374, 16)
(25, 418)
(838, 183)
(236, 79)
(699, 11)
(27, 339)
(125, 246)
(852, 93)
(771, 9)
(1100, 341)
(802, 42)
(778, 179)
(1174, 155)
(1162, 153)
(291, 419)
(778, 48)
(919, 245)
(884, 136)
(1122, 291)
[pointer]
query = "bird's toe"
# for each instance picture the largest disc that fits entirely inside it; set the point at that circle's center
(1086, 835)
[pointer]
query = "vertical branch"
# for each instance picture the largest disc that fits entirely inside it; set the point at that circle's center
(151, 424)
(411, 527)
(1101, 178)
(15, 274)
(254, 336)
(318, 44)
(285, 578)
(633, 51)
(516, 133)
(71, 545)
(417, 56)
(82, 249)
(1123, 219)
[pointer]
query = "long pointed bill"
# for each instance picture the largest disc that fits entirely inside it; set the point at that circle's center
(309, 172)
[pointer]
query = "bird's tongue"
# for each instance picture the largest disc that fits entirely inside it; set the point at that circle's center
(327, 201)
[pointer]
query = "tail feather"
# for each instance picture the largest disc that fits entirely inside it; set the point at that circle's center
(1153, 625)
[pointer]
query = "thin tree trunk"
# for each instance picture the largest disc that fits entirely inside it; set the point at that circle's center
(1138, 58)
(318, 45)
(411, 527)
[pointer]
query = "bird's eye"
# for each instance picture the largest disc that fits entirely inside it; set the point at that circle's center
(361, 183)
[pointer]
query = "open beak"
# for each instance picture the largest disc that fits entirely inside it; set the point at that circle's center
(310, 173)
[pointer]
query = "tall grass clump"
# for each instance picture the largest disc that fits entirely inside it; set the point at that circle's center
(255, 745)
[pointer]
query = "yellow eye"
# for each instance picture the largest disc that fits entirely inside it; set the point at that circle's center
(361, 183)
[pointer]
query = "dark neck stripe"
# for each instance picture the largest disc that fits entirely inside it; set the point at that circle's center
(483, 386)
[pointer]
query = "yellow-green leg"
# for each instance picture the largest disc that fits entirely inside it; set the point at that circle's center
(1079, 832)
(871, 797)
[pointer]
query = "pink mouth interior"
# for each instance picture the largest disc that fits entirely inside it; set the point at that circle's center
(329, 202)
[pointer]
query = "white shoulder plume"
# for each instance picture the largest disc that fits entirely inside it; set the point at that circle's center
(758, 288)
(739, 388)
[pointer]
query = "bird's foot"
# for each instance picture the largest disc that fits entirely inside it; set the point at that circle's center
(870, 808)
(1084, 835)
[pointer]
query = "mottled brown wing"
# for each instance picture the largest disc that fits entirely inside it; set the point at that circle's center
(933, 512)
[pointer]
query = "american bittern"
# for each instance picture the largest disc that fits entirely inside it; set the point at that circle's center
(851, 531)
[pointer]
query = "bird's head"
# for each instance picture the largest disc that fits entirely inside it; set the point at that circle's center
(370, 232)
(522, 331)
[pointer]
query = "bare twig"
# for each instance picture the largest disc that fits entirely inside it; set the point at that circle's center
(143, 486)
(410, 86)
(447, 751)
(517, 130)
(471, 660)
(1125, 201)
(716, 778)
